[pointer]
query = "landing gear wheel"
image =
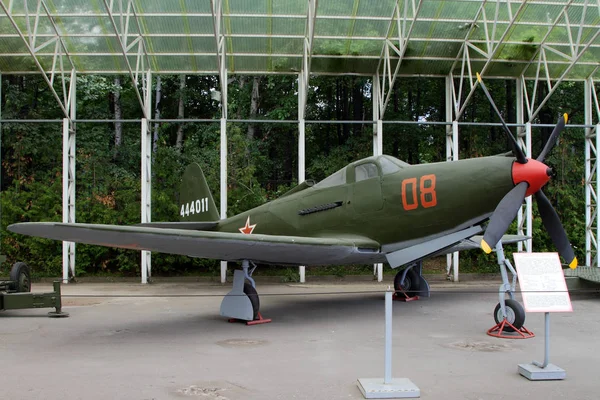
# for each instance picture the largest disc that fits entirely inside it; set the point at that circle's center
(20, 277)
(515, 314)
(411, 285)
(253, 296)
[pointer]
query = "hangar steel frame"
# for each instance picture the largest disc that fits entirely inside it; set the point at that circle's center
(486, 31)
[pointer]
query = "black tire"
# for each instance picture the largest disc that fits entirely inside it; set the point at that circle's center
(20, 277)
(515, 314)
(412, 282)
(253, 296)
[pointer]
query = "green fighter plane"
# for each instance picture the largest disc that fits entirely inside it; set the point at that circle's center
(375, 210)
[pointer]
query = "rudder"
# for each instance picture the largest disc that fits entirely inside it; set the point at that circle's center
(196, 201)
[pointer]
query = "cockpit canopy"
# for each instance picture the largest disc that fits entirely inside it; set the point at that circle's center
(367, 168)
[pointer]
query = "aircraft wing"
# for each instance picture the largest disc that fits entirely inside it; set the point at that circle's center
(269, 249)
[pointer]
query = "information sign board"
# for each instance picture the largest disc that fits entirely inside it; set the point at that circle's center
(542, 282)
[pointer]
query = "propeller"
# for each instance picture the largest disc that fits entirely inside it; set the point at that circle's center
(503, 215)
(552, 140)
(529, 176)
(517, 151)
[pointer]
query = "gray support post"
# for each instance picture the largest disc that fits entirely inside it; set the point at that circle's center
(377, 145)
(223, 179)
(69, 153)
(301, 145)
(388, 387)
(0, 148)
(146, 148)
(452, 260)
(387, 370)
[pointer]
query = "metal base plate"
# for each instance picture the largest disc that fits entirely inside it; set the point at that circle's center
(535, 373)
(374, 388)
(58, 314)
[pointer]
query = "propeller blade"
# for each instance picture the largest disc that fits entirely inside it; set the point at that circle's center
(560, 125)
(555, 229)
(503, 215)
(518, 152)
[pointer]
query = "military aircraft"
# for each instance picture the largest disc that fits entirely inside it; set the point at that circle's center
(374, 210)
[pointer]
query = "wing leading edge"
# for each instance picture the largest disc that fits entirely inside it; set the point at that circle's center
(269, 249)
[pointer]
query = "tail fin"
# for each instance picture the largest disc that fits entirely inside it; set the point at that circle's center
(196, 201)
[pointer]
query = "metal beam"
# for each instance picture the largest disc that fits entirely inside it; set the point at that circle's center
(122, 34)
(217, 14)
(307, 50)
(552, 87)
(377, 147)
(466, 62)
(404, 27)
(524, 215)
(60, 51)
(146, 169)
(493, 46)
(302, 87)
(452, 154)
(303, 79)
(592, 178)
(542, 63)
(69, 164)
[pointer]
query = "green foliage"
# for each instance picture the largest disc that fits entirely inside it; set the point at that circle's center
(261, 162)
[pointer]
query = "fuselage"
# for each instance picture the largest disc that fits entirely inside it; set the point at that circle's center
(386, 200)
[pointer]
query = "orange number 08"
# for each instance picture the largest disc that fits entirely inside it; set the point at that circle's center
(427, 195)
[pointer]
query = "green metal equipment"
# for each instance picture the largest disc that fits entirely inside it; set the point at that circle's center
(15, 293)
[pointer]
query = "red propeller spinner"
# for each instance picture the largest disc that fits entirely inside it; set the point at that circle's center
(535, 173)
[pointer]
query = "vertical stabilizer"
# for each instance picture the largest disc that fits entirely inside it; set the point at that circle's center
(196, 201)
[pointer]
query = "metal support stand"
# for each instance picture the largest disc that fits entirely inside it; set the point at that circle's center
(537, 371)
(388, 387)
(424, 291)
(506, 287)
(236, 304)
(19, 301)
(504, 329)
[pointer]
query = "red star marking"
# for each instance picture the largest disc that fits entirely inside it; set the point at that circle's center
(246, 230)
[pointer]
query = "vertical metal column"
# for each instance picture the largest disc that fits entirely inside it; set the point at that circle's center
(0, 151)
(69, 178)
(377, 146)
(223, 179)
(592, 183)
(146, 166)
(301, 144)
(452, 260)
(524, 223)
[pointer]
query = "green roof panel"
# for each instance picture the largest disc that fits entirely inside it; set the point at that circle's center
(267, 36)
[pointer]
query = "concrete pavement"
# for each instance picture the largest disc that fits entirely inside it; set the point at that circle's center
(167, 341)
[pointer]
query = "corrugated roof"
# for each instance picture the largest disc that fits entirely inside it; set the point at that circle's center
(268, 36)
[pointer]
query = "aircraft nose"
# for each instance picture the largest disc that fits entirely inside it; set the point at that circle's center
(535, 173)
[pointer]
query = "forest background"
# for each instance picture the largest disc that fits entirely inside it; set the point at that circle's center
(262, 157)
